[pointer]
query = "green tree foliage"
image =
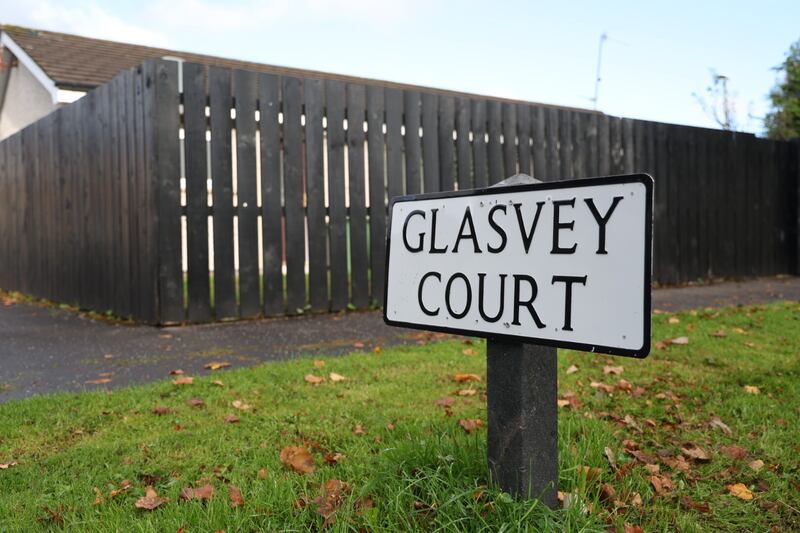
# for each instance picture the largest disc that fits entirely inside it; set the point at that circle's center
(783, 122)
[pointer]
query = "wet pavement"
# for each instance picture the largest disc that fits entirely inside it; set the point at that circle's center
(46, 349)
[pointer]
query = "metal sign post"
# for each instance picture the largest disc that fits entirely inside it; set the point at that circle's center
(531, 267)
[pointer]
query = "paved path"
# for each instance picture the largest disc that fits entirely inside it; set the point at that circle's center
(46, 350)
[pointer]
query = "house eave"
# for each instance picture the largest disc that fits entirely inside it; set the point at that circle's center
(24, 59)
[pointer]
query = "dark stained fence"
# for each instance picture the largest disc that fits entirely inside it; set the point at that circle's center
(192, 193)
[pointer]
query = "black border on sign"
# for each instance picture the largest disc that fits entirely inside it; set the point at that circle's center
(644, 179)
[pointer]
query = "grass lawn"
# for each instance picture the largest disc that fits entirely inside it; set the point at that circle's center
(700, 436)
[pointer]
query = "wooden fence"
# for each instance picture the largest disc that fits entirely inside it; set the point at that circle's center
(185, 192)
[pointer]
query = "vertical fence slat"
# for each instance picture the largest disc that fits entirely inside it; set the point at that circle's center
(430, 142)
(552, 135)
(565, 144)
(524, 132)
(339, 279)
(412, 109)
(539, 142)
(293, 194)
(495, 118)
(194, 112)
(579, 133)
(480, 166)
(359, 261)
(463, 144)
(394, 143)
(271, 205)
(314, 98)
(377, 192)
(447, 106)
(220, 104)
(510, 148)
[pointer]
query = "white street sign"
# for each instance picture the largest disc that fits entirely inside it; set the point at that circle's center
(562, 263)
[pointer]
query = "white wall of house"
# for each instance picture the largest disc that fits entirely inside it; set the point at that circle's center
(26, 101)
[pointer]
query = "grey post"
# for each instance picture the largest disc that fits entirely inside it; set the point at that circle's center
(522, 391)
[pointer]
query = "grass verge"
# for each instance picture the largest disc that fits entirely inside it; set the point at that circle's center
(700, 436)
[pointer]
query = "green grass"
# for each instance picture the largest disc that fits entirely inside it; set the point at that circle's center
(427, 473)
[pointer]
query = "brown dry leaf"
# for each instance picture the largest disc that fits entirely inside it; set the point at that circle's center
(162, 410)
(333, 458)
(636, 501)
(591, 472)
(196, 402)
(740, 491)
(740, 331)
(653, 469)
(607, 493)
(467, 392)
(336, 377)
(569, 399)
(661, 345)
(719, 424)
(319, 363)
(642, 457)
(124, 486)
(624, 385)
(359, 430)
(733, 452)
(444, 402)
(749, 389)
(216, 365)
(314, 380)
(693, 451)
(673, 320)
(610, 456)
(187, 380)
(608, 389)
(298, 459)
(235, 496)
(6, 466)
(203, 493)
(630, 528)
(218, 383)
(572, 369)
(98, 381)
(616, 370)
(363, 504)
(358, 345)
(662, 484)
(390, 426)
(756, 465)
(242, 406)
(54, 516)
(262, 473)
(470, 424)
(176, 372)
(677, 463)
(332, 497)
(719, 333)
(231, 419)
(150, 500)
(689, 503)
(377, 349)
(461, 378)
(98, 498)
(468, 351)
(680, 340)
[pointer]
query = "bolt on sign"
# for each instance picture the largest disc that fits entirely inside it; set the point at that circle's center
(563, 264)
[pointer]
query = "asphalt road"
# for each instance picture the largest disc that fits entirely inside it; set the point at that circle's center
(46, 350)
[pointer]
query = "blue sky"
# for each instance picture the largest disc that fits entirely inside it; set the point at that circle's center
(659, 52)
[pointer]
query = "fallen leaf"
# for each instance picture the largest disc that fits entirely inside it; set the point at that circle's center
(695, 452)
(740, 491)
(150, 500)
(162, 410)
(470, 424)
(336, 377)
(390, 426)
(242, 406)
(719, 424)
(740, 331)
(624, 385)
(569, 399)
(461, 378)
(756, 465)
(216, 365)
(629, 528)
(677, 463)
(719, 333)
(262, 473)
(662, 484)
(331, 498)
(467, 392)
(298, 459)
(98, 381)
(642, 457)
(333, 458)
(124, 486)
(363, 504)
(187, 380)
(176, 372)
(54, 515)
(610, 456)
(377, 349)
(608, 389)
(636, 501)
(196, 402)
(231, 419)
(653, 469)
(689, 503)
(319, 363)
(591, 472)
(218, 383)
(314, 380)
(607, 493)
(204, 493)
(572, 369)
(680, 340)
(468, 351)
(98, 498)
(733, 452)
(235, 496)
(444, 402)
(749, 389)
(673, 320)
(616, 370)
(359, 430)
(6, 466)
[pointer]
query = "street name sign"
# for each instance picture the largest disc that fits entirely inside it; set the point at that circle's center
(563, 264)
